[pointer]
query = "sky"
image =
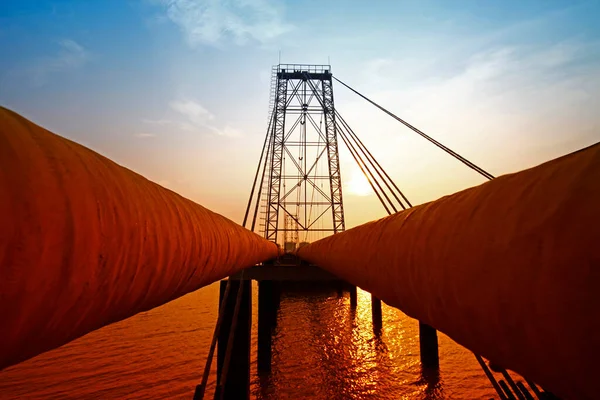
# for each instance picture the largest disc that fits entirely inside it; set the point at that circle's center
(177, 90)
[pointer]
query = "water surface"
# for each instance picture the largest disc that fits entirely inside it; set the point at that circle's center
(322, 349)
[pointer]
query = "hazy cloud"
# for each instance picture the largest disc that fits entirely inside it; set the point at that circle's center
(211, 22)
(193, 110)
(529, 102)
(227, 131)
(144, 135)
(70, 56)
(195, 118)
(157, 121)
(182, 125)
(199, 117)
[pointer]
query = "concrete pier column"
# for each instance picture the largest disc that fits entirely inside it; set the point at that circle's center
(277, 289)
(376, 312)
(353, 296)
(267, 317)
(237, 384)
(428, 344)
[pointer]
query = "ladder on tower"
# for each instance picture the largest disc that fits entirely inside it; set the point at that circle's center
(265, 186)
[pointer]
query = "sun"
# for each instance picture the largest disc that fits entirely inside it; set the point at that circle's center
(358, 185)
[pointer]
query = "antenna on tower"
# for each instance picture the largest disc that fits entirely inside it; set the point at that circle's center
(279, 57)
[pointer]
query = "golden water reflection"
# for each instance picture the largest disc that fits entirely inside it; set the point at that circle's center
(323, 348)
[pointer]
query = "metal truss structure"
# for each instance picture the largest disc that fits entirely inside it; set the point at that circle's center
(301, 173)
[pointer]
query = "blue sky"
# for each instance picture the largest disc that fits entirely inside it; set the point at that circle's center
(178, 90)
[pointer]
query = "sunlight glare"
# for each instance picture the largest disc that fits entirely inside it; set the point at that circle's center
(358, 185)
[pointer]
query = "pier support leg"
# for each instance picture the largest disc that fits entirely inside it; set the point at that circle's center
(267, 317)
(428, 344)
(277, 290)
(376, 313)
(237, 384)
(353, 296)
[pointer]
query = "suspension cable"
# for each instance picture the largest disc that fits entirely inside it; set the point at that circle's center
(355, 154)
(200, 389)
(356, 158)
(374, 163)
(262, 181)
(498, 387)
(429, 138)
(238, 301)
(262, 154)
(199, 394)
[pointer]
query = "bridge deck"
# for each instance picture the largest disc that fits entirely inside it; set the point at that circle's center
(286, 268)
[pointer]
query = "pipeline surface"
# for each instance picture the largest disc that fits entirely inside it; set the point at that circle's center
(509, 269)
(85, 242)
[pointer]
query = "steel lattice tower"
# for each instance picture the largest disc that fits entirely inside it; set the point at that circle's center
(299, 93)
(302, 138)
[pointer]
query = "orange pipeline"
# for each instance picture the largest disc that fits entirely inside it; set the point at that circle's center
(85, 242)
(509, 269)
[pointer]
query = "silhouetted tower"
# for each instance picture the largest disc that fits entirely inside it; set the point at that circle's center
(301, 177)
(300, 155)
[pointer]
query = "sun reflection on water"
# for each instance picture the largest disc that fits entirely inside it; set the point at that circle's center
(324, 348)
